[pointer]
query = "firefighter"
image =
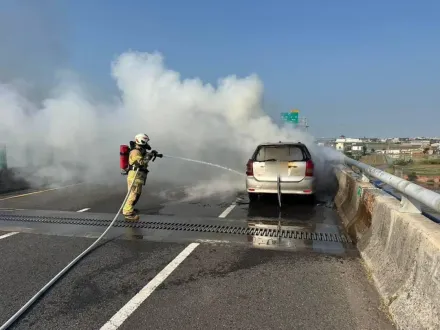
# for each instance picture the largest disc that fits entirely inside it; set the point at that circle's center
(138, 158)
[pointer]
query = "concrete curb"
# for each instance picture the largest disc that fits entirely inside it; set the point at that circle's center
(401, 250)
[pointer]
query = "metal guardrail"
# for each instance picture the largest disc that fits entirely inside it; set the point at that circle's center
(413, 195)
(428, 213)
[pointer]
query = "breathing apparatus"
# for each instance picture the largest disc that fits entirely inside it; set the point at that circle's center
(124, 152)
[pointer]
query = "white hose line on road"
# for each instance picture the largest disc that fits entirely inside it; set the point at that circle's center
(70, 265)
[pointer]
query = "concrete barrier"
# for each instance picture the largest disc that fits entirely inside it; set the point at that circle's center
(10, 181)
(3, 158)
(401, 250)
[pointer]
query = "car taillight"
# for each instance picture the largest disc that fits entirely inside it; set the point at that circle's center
(250, 168)
(309, 168)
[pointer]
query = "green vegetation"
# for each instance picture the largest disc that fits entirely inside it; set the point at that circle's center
(364, 150)
(422, 169)
(389, 170)
(434, 161)
(402, 162)
(412, 176)
(414, 168)
(349, 154)
(374, 159)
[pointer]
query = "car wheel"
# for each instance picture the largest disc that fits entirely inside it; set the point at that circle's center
(253, 197)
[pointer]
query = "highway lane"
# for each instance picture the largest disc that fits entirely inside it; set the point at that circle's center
(227, 287)
(88, 295)
(2, 232)
(220, 284)
(157, 198)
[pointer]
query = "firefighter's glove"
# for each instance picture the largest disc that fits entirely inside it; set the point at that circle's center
(154, 154)
(157, 154)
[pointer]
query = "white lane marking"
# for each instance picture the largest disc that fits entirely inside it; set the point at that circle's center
(39, 191)
(8, 234)
(116, 321)
(83, 210)
(228, 210)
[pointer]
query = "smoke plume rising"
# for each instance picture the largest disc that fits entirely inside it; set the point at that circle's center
(70, 136)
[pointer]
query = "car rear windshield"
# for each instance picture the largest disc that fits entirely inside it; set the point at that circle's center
(285, 153)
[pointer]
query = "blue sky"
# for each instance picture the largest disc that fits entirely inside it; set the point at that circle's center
(358, 68)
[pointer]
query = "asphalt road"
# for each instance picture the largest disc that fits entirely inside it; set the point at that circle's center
(224, 281)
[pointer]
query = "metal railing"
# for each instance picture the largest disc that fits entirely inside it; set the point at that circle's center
(413, 195)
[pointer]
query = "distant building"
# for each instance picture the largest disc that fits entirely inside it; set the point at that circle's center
(435, 147)
(357, 148)
(346, 143)
(397, 150)
(421, 142)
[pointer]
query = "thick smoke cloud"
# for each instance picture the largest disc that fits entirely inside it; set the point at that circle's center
(70, 136)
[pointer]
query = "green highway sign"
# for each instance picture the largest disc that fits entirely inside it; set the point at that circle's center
(290, 117)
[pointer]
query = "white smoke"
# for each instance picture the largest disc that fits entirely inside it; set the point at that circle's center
(70, 136)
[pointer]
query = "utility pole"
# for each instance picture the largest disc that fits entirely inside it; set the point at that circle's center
(303, 124)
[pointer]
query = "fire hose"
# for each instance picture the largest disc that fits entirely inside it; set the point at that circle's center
(31, 301)
(70, 265)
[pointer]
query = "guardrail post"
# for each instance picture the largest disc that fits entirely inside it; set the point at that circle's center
(364, 178)
(279, 189)
(410, 205)
(3, 159)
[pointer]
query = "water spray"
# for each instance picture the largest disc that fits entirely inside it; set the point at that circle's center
(206, 163)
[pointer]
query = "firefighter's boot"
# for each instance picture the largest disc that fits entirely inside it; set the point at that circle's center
(132, 217)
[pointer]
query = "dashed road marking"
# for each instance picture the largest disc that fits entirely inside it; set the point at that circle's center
(8, 234)
(38, 192)
(116, 321)
(228, 210)
(83, 210)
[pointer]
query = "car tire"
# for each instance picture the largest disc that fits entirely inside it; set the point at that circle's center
(253, 197)
(311, 199)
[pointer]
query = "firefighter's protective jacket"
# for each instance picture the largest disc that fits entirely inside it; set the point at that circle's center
(137, 159)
